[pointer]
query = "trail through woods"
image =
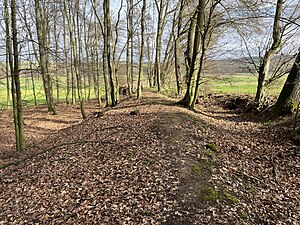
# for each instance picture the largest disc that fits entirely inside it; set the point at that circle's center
(157, 167)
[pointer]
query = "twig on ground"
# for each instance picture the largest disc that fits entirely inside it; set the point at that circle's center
(247, 176)
(17, 162)
(63, 144)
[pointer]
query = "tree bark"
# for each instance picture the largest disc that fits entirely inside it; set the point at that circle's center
(177, 39)
(192, 55)
(13, 58)
(42, 36)
(129, 66)
(66, 54)
(139, 89)
(107, 47)
(131, 46)
(266, 60)
(161, 9)
(8, 56)
(290, 93)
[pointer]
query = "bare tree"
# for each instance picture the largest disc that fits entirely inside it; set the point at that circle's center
(266, 59)
(266, 34)
(13, 56)
(177, 49)
(139, 89)
(42, 34)
(107, 51)
(129, 51)
(199, 38)
(162, 9)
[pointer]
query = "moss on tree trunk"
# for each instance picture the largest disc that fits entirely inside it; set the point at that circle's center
(289, 96)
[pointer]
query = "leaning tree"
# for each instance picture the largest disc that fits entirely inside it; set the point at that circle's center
(290, 93)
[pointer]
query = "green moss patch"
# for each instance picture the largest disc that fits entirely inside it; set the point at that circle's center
(210, 154)
(197, 168)
(203, 166)
(243, 215)
(229, 197)
(211, 147)
(149, 161)
(208, 194)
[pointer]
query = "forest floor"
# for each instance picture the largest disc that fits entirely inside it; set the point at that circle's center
(164, 165)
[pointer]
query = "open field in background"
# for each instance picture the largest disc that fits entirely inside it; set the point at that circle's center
(237, 84)
(27, 92)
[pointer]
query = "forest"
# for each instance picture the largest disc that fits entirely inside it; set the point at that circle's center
(149, 112)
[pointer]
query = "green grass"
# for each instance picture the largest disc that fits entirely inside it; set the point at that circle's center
(27, 92)
(238, 84)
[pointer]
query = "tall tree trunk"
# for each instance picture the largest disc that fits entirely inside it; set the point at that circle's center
(34, 52)
(290, 93)
(115, 61)
(13, 51)
(7, 70)
(8, 57)
(56, 37)
(128, 76)
(73, 85)
(87, 46)
(131, 46)
(265, 61)
(107, 46)
(105, 60)
(74, 39)
(104, 64)
(42, 36)
(66, 53)
(16, 72)
(192, 55)
(177, 40)
(139, 89)
(129, 50)
(206, 34)
(149, 64)
(78, 61)
(33, 85)
(159, 32)
(96, 65)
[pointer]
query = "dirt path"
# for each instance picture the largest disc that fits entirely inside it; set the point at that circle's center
(157, 167)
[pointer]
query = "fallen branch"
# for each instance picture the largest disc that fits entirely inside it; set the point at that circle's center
(63, 144)
(244, 175)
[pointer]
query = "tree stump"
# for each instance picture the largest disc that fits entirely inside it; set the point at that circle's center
(124, 91)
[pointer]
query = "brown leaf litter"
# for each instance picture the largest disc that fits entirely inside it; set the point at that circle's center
(149, 168)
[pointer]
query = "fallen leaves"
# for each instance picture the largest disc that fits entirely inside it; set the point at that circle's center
(123, 169)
